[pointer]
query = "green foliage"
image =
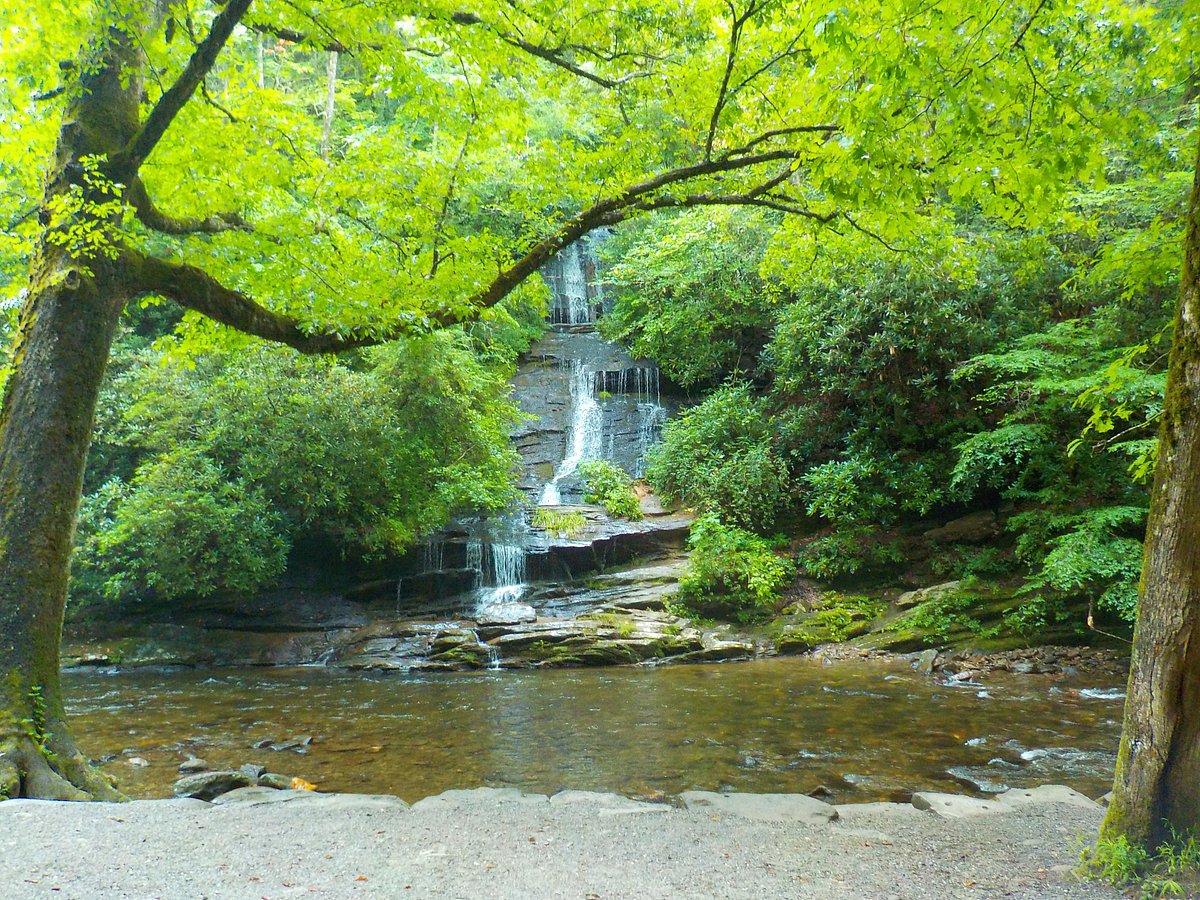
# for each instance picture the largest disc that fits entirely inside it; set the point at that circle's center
(182, 528)
(1171, 870)
(847, 550)
(610, 486)
(718, 457)
(565, 524)
(204, 477)
(1095, 554)
(688, 292)
(733, 575)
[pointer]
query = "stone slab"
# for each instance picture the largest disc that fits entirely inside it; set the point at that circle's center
(763, 807)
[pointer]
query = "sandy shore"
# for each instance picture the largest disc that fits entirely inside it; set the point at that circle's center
(490, 843)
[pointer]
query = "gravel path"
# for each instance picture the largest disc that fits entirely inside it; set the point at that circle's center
(486, 843)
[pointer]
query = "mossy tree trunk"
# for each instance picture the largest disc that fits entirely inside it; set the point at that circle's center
(1157, 785)
(64, 334)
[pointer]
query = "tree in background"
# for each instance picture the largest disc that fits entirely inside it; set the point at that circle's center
(445, 198)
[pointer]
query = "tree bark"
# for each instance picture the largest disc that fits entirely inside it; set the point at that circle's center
(64, 334)
(1157, 785)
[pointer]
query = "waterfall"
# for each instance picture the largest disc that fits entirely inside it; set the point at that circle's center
(504, 578)
(434, 555)
(585, 438)
(572, 304)
(475, 560)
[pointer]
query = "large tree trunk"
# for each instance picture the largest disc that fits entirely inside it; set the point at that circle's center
(64, 335)
(65, 332)
(1158, 769)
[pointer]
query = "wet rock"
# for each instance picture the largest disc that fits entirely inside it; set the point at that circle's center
(274, 781)
(979, 779)
(924, 662)
(296, 744)
(137, 762)
(763, 807)
(253, 771)
(209, 785)
(507, 614)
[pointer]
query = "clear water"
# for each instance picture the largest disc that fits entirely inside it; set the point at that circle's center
(864, 730)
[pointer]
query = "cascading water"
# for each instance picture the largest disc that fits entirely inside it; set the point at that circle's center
(502, 580)
(585, 439)
(572, 305)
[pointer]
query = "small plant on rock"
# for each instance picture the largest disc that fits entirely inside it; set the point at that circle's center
(608, 485)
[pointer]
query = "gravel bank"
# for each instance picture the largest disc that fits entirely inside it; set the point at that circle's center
(491, 843)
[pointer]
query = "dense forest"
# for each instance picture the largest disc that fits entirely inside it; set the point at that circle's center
(899, 263)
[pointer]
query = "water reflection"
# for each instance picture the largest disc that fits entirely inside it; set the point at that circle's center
(862, 730)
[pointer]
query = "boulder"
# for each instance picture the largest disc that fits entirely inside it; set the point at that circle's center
(1049, 793)
(763, 807)
(924, 663)
(973, 528)
(912, 598)
(507, 614)
(956, 806)
(606, 804)
(210, 785)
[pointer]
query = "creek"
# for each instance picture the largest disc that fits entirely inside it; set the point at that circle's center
(864, 730)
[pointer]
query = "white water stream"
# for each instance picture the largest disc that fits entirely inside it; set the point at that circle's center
(586, 436)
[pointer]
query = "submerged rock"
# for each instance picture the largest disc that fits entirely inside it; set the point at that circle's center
(210, 785)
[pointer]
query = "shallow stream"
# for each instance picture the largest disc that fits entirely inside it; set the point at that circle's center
(863, 730)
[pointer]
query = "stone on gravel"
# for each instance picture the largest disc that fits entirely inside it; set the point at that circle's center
(606, 804)
(956, 806)
(192, 765)
(480, 795)
(210, 785)
(257, 796)
(763, 807)
(1049, 793)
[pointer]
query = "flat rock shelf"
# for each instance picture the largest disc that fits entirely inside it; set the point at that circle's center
(573, 844)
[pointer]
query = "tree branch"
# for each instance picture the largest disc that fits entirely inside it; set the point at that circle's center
(152, 217)
(195, 289)
(173, 99)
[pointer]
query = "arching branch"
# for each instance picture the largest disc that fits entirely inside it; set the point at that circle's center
(195, 289)
(154, 218)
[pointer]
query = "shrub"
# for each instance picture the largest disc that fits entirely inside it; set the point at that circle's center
(733, 573)
(608, 485)
(718, 458)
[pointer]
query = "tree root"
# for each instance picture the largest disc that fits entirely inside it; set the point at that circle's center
(57, 771)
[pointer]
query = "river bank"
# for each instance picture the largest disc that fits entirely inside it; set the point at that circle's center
(505, 844)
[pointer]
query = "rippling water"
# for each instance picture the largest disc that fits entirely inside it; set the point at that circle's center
(864, 730)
